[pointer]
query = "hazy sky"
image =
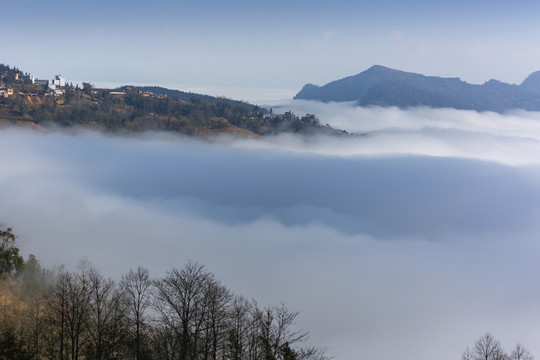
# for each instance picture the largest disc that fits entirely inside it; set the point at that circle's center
(409, 242)
(234, 47)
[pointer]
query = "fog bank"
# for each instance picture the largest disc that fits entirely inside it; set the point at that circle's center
(409, 242)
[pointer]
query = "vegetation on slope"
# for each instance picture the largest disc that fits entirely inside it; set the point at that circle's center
(134, 109)
(185, 314)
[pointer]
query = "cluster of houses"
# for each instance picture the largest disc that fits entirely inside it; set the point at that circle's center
(140, 92)
(151, 94)
(55, 86)
(5, 91)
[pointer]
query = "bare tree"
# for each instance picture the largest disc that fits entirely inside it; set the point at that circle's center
(137, 287)
(216, 302)
(486, 348)
(163, 344)
(237, 342)
(36, 321)
(312, 353)
(179, 299)
(78, 298)
(467, 355)
(68, 305)
(520, 353)
(56, 314)
(275, 332)
(106, 321)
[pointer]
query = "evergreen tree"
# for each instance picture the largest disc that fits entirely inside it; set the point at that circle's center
(10, 260)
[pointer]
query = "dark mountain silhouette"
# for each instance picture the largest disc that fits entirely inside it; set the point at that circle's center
(382, 86)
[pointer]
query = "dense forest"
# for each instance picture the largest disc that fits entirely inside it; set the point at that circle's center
(134, 109)
(7, 73)
(186, 314)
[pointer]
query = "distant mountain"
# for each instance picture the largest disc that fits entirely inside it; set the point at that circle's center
(382, 86)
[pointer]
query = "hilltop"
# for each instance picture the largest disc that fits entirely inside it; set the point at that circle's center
(382, 86)
(27, 101)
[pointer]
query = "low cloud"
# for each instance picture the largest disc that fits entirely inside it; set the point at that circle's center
(512, 138)
(408, 242)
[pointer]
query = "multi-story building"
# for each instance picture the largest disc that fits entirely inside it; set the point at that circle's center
(59, 80)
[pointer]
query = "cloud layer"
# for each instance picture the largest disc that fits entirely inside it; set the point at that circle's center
(408, 242)
(510, 138)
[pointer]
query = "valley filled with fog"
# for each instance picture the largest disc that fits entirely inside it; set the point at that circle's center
(408, 240)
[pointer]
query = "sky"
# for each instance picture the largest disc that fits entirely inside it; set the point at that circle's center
(256, 51)
(410, 241)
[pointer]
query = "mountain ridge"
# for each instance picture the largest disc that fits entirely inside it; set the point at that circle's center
(383, 86)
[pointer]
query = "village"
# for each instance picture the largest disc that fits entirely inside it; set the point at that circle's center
(28, 101)
(51, 87)
(11, 84)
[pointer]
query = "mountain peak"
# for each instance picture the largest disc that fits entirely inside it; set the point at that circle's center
(383, 86)
(532, 81)
(379, 68)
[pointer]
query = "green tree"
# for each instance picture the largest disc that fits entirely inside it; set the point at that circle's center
(10, 260)
(11, 347)
(87, 87)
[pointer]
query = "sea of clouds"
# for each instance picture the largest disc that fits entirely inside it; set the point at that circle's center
(408, 241)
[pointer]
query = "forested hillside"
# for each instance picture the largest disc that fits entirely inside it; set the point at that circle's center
(136, 109)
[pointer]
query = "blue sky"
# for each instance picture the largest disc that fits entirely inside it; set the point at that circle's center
(279, 44)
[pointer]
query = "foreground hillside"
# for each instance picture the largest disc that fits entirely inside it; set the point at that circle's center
(381, 86)
(185, 314)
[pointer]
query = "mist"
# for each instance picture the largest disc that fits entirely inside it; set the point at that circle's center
(409, 241)
(511, 138)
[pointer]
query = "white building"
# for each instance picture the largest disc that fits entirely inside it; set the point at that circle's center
(58, 80)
